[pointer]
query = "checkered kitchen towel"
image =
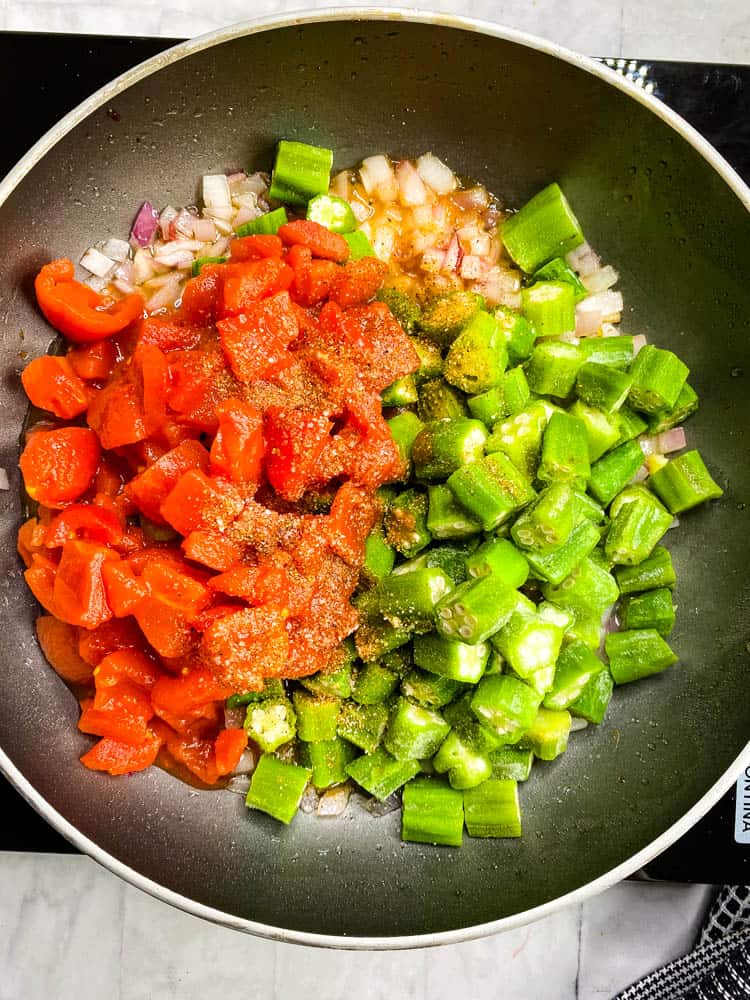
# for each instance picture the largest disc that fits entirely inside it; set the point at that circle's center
(718, 968)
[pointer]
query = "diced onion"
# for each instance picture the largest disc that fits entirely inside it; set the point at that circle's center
(167, 217)
(341, 186)
(143, 266)
(247, 762)
(588, 317)
(584, 260)
(97, 263)
(377, 176)
(453, 255)
(118, 250)
(4, 482)
(243, 215)
(309, 801)
(610, 330)
(378, 807)
(334, 801)
(601, 280)
(610, 303)
(216, 192)
(664, 443)
(577, 724)
(166, 294)
(471, 267)
(436, 174)
(234, 718)
(432, 260)
(145, 225)
(642, 474)
(383, 242)
(639, 342)
(204, 230)
(411, 187)
(476, 198)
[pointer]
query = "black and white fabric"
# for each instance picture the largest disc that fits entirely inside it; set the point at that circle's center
(718, 968)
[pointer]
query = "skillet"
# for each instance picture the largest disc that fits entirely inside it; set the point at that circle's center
(658, 203)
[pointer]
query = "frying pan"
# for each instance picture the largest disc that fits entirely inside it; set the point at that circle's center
(656, 201)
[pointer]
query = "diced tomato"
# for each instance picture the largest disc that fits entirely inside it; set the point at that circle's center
(58, 466)
(181, 695)
(168, 333)
(108, 479)
(151, 488)
(211, 614)
(229, 747)
(31, 536)
(243, 648)
(95, 644)
(201, 296)
(255, 343)
(357, 281)
(117, 757)
(93, 522)
(165, 626)
(79, 595)
(237, 450)
(93, 362)
(51, 384)
(116, 414)
(248, 282)
(351, 519)
(384, 352)
(123, 588)
(237, 582)
(198, 382)
(294, 442)
(59, 642)
(120, 711)
(198, 502)
(271, 587)
(313, 284)
(152, 372)
(127, 664)
(255, 247)
(321, 241)
(181, 589)
(40, 579)
(197, 755)
(211, 549)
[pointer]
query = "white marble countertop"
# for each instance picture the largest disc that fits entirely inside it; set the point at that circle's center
(71, 931)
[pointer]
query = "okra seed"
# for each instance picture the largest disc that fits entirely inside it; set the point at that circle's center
(465, 631)
(445, 613)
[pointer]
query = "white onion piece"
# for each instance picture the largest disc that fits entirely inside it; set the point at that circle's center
(584, 260)
(421, 216)
(432, 260)
(453, 255)
(4, 482)
(601, 280)
(471, 267)
(361, 211)
(235, 177)
(98, 284)
(218, 248)
(243, 215)
(610, 330)
(216, 193)
(204, 230)
(609, 303)
(126, 287)
(376, 174)
(410, 185)
(258, 183)
(576, 724)
(334, 801)
(641, 475)
(167, 217)
(476, 198)
(639, 342)
(664, 443)
(182, 224)
(436, 174)
(118, 250)
(166, 294)
(224, 226)
(675, 523)
(384, 242)
(588, 317)
(341, 185)
(569, 337)
(247, 762)
(309, 801)
(380, 808)
(239, 784)
(143, 266)
(97, 263)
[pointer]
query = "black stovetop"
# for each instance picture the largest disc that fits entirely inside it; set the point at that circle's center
(67, 68)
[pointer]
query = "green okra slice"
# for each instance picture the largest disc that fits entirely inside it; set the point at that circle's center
(492, 489)
(558, 564)
(374, 683)
(446, 518)
(603, 430)
(543, 229)
(547, 522)
(444, 318)
(464, 756)
(404, 428)
(276, 787)
(380, 774)
(316, 716)
(591, 704)
(475, 610)
(362, 725)
(433, 813)
(405, 523)
(402, 392)
(478, 357)
(511, 763)
(590, 588)
(458, 661)
(328, 761)
(271, 723)
(550, 307)
(686, 404)
(505, 705)
(404, 308)
(518, 332)
(685, 482)
(492, 809)
(408, 600)
(617, 352)
(501, 558)
(300, 172)
(553, 367)
(613, 471)
(658, 376)
(635, 530)
(602, 386)
(565, 450)
(414, 731)
(380, 557)
(652, 609)
(440, 401)
(559, 270)
(548, 734)
(430, 689)
(520, 437)
(654, 572)
(443, 446)
(576, 665)
(637, 653)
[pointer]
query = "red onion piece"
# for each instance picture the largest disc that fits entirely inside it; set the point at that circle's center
(453, 255)
(145, 224)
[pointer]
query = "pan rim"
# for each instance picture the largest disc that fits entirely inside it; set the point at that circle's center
(371, 14)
